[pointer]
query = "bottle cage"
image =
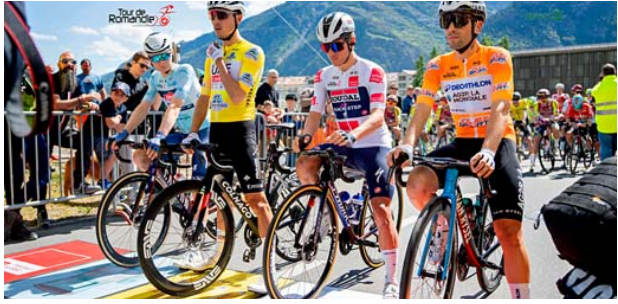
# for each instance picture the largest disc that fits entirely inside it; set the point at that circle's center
(18, 33)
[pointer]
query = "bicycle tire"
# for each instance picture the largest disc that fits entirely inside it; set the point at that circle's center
(436, 205)
(367, 215)
(283, 189)
(163, 280)
(574, 154)
(122, 254)
(546, 157)
(489, 242)
(277, 291)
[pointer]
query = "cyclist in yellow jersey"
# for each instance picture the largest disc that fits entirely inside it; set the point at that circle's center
(478, 83)
(519, 114)
(232, 73)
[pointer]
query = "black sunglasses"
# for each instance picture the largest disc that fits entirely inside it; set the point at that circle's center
(69, 60)
(219, 15)
(460, 20)
(144, 66)
(335, 46)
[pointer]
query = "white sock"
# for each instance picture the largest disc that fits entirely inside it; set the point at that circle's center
(532, 160)
(390, 259)
(520, 291)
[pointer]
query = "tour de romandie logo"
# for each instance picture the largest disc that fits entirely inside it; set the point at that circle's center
(140, 17)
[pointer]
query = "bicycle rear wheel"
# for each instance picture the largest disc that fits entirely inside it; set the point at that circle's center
(491, 251)
(423, 276)
(371, 255)
(546, 155)
(187, 261)
(116, 230)
(294, 233)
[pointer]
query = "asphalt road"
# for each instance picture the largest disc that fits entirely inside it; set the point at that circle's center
(350, 273)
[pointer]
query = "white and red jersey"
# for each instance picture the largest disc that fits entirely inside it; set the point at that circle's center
(561, 99)
(353, 95)
(582, 114)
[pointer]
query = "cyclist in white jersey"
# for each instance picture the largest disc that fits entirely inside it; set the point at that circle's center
(176, 86)
(356, 89)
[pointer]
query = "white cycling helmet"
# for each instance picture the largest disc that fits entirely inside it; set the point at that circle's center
(559, 86)
(477, 8)
(157, 43)
(306, 93)
(334, 26)
(233, 6)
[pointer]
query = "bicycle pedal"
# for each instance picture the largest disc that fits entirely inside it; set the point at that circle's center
(248, 255)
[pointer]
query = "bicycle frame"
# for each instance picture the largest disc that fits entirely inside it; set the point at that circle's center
(458, 213)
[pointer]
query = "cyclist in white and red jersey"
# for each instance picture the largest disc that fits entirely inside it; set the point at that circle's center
(356, 89)
(560, 96)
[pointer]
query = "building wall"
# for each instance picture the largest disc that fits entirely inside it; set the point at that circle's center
(533, 70)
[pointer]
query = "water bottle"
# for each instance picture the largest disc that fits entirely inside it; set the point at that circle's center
(469, 204)
(357, 205)
(347, 203)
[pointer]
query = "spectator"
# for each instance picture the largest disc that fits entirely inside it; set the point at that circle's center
(88, 82)
(306, 96)
(604, 94)
(267, 91)
(392, 117)
(113, 116)
(134, 78)
(409, 100)
(68, 96)
(290, 108)
(394, 90)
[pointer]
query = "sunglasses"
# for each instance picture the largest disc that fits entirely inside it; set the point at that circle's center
(160, 57)
(144, 66)
(541, 96)
(460, 20)
(219, 15)
(577, 92)
(335, 46)
(69, 61)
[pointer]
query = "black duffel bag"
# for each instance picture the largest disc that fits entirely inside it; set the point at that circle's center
(582, 222)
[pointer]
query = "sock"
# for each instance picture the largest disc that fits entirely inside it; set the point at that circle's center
(520, 291)
(390, 258)
(532, 160)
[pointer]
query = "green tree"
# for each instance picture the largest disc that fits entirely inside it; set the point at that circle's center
(487, 40)
(504, 42)
(434, 53)
(420, 71)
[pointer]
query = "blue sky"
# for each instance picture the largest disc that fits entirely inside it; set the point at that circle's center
(83, 27)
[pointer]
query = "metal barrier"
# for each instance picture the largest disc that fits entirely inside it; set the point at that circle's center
(37, 176)
(43, 169)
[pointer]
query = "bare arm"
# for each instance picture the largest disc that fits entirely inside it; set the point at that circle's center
(171, 115)
(312, 123)
(417, 124)
(200, 113)
(233, 89)
(498, 120)
(374, 122)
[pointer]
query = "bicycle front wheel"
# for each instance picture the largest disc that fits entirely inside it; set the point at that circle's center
(116, 227)
(574, 154)
(423, 276)
(369, 231)
(187, 261)
(293, 231)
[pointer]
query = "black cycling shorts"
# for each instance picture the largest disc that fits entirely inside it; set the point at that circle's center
(506, 179)
(237, 142)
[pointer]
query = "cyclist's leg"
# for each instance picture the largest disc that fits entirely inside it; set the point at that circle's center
(507, 213)
(569, 135)
(373, 162)
(244, 155)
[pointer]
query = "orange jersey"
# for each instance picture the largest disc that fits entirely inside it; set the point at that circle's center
(471, 86)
